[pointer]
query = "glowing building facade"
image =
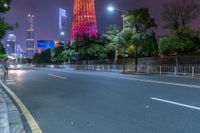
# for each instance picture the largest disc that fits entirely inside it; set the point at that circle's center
(62, 24)
(84, 18)
(11, 43)
(30, 41)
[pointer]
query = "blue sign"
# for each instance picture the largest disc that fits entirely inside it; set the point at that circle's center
(45, 44)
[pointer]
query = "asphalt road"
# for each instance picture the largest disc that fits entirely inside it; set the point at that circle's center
(93, 102)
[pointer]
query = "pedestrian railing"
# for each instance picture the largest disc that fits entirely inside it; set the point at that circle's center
(149, 69)
(186, 70)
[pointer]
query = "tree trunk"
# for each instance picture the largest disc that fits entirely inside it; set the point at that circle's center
(124, 63)
(176, 60)
(136, 61)
(116, 57)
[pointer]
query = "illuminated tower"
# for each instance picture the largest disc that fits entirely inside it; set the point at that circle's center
(84, 18)
(62, 24)
(11, 43)
(30, 41)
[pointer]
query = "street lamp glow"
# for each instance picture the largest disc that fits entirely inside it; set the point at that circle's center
(62, 33)
(110, 8)
(5, 5)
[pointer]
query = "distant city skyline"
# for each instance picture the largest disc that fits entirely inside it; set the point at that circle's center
(46, 16)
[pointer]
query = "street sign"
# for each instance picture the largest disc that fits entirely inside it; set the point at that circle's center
(45, 44)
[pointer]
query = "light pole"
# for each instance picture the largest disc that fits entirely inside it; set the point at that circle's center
(75, 17)
(111, 9)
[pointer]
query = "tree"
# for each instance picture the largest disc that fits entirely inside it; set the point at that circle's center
(56, 55)
(149, 45)
(97, 51)
(68, 55)
(92, 48)
(42, 58)
(3, 55)
(123, 40)
(111, 33)
(140, 21)
(179, 45)
(4, 7)
(179, 13)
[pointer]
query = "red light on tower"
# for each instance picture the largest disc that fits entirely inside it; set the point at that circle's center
(84, 18)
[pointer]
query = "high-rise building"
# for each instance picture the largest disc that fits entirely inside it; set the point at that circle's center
(62, 24)
(10, 44)
(30, 41)
(84, 18)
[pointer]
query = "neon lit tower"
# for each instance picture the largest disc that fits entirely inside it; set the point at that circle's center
(30, 41)
(84, 18)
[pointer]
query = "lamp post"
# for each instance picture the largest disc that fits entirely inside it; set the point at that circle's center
(75, 17)
(111, 9)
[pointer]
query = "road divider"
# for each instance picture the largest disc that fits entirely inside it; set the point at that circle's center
(175, 103)
(31, 121)
(60, 77)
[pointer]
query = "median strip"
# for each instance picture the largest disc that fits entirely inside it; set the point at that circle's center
(175, 103)
(60, 77)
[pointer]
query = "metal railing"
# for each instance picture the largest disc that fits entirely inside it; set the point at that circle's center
(187, 70)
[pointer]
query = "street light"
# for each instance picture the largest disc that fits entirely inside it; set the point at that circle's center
(111, 9)
(5, 5)
(62, 33)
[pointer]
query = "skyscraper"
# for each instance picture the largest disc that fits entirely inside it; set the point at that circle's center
(11, 43)
(30, 41)
(84, 18)
(62, 24)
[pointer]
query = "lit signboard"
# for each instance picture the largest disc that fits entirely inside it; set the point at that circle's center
(45, 44)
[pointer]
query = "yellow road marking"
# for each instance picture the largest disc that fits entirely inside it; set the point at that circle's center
(31, 121)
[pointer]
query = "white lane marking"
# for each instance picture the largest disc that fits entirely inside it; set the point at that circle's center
(168, 83)
(175, 103)
(9, 80)
(10, 83)
(60, 77)
(141, 80)
(31, 121)
(159, 82)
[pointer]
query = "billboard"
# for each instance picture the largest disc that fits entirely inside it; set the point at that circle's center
(45, 44)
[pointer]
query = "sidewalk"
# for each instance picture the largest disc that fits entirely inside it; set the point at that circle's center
(10, 120)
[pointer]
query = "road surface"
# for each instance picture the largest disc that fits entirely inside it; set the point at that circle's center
(93, 102)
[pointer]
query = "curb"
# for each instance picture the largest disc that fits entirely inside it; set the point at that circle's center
(4, 124)
(12, 119)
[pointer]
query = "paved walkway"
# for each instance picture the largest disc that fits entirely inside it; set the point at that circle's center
(10, 120)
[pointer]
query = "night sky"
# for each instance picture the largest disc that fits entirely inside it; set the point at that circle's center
(46, 15)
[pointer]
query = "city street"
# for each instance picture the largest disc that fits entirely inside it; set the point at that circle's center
(101, 102)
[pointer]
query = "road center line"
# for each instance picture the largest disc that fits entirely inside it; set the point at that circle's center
(57, 76)
(31, 121)
(175, 103)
